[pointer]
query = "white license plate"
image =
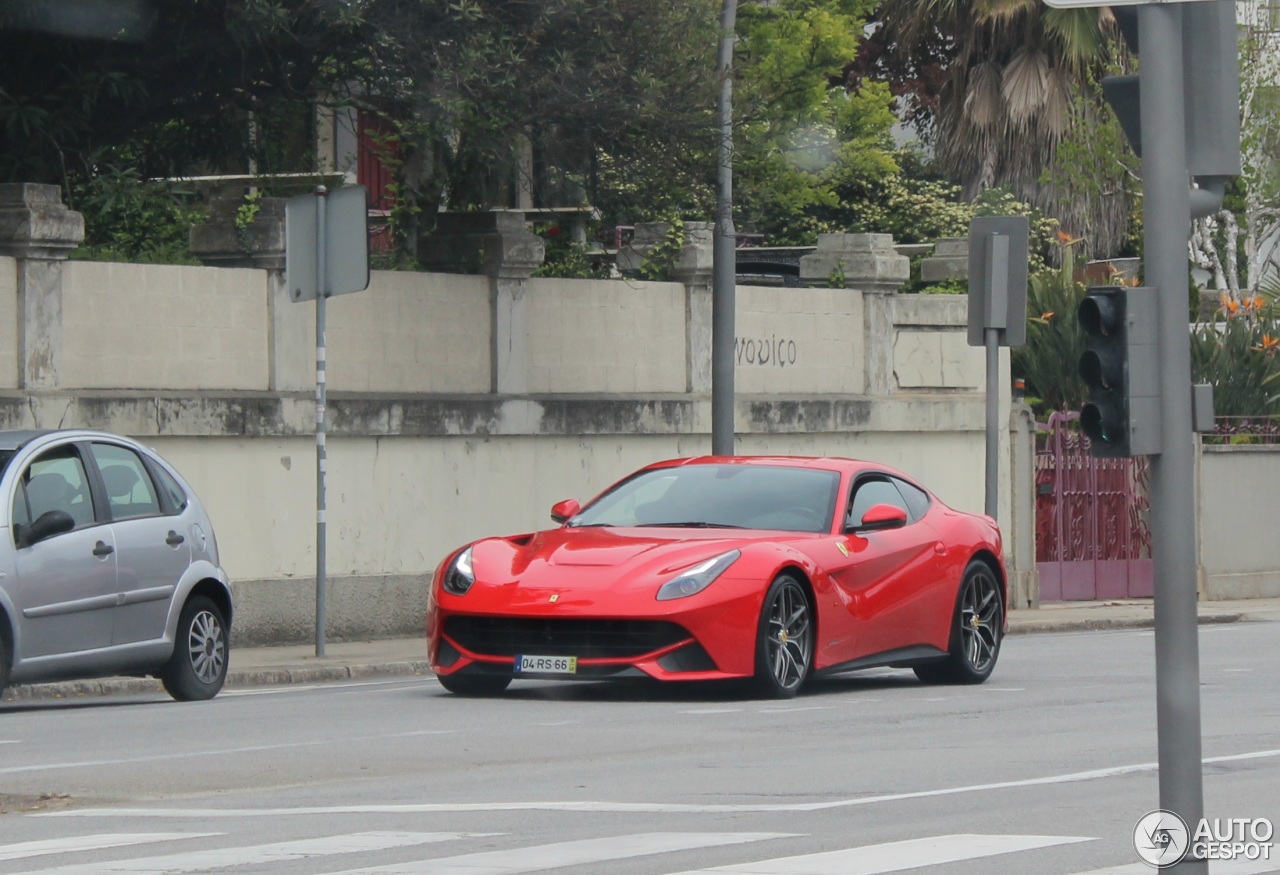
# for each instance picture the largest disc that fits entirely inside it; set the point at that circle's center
(547, 664)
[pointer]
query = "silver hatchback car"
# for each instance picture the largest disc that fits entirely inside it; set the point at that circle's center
(108, 566)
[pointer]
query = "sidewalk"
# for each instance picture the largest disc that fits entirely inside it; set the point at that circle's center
(298, 664)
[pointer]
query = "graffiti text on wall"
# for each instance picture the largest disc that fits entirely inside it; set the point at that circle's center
(765, 351)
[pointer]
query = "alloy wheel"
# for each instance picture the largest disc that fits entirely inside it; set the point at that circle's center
(789, 636)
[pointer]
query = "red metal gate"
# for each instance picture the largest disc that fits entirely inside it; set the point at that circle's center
(1092, 534)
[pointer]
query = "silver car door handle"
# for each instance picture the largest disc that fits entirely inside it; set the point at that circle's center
(103, 549)
(174, 539)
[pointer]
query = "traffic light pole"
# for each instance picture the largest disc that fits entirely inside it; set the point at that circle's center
(1166, 222)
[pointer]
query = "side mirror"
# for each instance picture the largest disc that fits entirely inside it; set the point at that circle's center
(562, 510)
(49, 523)
(880, 517)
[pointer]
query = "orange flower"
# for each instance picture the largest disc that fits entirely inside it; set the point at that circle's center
(1066, 239)
(1046, 316)
(1270, 345)
(1258, 302)
(1231, 305)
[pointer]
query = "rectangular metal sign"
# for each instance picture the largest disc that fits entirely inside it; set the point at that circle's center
(998, 248)
(346, 243)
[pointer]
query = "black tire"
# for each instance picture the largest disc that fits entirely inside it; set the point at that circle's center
(784, 640)
(198, 666)
(4, 661)
(976, 628)
(474, 684)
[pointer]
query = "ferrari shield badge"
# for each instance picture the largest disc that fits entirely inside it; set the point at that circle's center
(842, 548)
(555, 597)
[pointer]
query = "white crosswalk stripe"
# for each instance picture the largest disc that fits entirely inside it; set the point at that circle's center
(1216, 867)
(257, 855)
(23, 850)
(542, 858)
(893, 856)
(913, 854)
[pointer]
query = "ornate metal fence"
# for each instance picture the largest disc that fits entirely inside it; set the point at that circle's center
(1092, 534)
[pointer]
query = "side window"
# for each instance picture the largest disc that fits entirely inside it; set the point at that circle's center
(868, 493)
(130, 492)
(917, 499)
(57, 481)
(169, 486)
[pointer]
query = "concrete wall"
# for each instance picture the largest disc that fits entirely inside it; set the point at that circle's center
(8, 323)
(1237, 489)
(138, 326)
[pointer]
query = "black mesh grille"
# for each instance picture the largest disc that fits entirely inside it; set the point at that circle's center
(585, 639)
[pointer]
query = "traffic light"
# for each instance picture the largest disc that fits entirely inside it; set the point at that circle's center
(1211, 92)
(1121, 368)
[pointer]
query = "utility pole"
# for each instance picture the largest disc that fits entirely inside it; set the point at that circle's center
(724, 242)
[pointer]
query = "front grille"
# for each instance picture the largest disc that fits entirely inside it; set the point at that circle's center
(585, 639)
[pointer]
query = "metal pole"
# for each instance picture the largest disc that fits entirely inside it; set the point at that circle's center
(723, 271)
(1166, 222)
(992, 338)
(322, 282)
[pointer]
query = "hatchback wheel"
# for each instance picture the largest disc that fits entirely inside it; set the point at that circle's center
(4, 662)
(198, 666)
(975, 631)
(784, 640)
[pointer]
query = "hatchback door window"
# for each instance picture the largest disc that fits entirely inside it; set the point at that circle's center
(130, 492)
(58, 482)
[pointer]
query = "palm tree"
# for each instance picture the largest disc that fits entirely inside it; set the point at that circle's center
(1015, 80)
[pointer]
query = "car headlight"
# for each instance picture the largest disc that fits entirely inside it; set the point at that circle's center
(461, 575)
(696, 578)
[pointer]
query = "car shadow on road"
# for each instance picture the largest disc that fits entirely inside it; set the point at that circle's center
(649, 690)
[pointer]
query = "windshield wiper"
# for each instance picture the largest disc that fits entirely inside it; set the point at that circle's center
(691, 524)
(591, 526)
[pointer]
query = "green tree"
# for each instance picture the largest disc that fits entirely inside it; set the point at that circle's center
(994, 87)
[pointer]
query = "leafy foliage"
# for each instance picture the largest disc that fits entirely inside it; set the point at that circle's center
(1055, 341)
(1239, 353)
(134, 220)
(565, 258)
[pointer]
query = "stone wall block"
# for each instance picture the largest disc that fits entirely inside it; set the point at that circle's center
(220, 242)
(868, 261)
(950, 260)
(34, 223)
(495, 243)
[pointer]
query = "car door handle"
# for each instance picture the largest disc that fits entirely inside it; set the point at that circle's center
(940, 548)
(174, 539)
(103, 549)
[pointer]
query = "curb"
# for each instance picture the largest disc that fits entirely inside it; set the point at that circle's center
(235, 680)
(1105, 623)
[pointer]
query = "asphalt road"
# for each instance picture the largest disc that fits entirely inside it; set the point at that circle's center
(1045, 769)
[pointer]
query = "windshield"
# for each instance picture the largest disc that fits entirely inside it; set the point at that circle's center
(5, 456)
(720, 496)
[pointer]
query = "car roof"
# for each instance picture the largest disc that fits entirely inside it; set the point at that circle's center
(827, 463)
(18, 438)
(12, 440)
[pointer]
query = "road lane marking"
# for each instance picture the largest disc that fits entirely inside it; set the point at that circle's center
(560, 855)
(644, 807)
(701, 711)
(24, 850)
(894, 856)
(647, 807)
(257, 855)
